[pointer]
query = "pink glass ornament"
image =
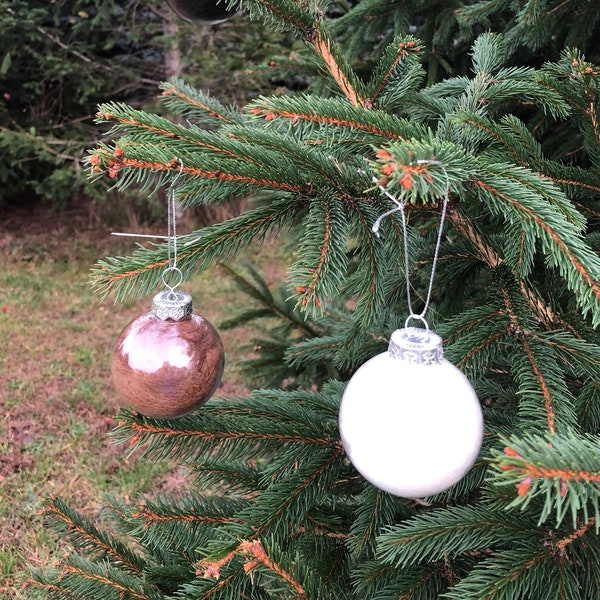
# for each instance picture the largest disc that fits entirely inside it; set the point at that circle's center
(169, 360)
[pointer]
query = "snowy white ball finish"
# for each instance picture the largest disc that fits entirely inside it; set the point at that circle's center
(410, 421)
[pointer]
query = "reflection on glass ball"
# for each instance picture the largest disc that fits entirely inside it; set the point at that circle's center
(203, 12)
(167, 367)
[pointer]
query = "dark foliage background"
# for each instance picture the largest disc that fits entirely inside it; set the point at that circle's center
(59, 60)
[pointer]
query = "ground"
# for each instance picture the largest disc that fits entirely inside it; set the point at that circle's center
(57, 402)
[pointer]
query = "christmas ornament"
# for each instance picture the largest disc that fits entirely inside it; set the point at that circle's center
(169, 360)
(410, 421)
(203, 12)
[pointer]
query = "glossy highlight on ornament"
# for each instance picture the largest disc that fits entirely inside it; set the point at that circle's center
(203, 12)
(410, 421)
(169, 360)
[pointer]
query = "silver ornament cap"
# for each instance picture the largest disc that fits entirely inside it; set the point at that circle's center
(416, 346)
(169, 304)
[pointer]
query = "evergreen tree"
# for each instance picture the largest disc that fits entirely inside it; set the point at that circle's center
(516, 299)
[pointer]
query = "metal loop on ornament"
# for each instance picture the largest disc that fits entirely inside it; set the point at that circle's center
(172, 287)
(419, 317)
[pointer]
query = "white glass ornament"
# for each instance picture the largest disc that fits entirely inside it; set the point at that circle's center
(410, 421)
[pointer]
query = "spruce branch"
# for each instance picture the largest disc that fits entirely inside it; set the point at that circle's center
(318, 166)
(271, 305)
(82, 580)
(209, 582)
(509, 134)
(244, 429)
(297, 16)
(208, 179)
(366, 289)
(562, 242)
(309, 25)
(319, 271)
(545, 388)
(543, 311)
(563, 543)
(255, 551)
(238, 478)
(528, 203)
(339, 70)
(487, 253)
(574, 183)
(141, 272)
(182, 99)
(158, 512)
(43, 586)
(245, 167)
(86, 536)
(536, 370)
(110, 583)
(268, 562)
(446, 533)
(178, 526)
(576, 354)
(286, 501)
(141, 126)
(334, 113)
(524, 572)
(400, 62)
(378, 510)
(588, 405)
(484, 249)
(421, 582)
(543, 471)
(212, 568)
(186, 441)
(473, 337)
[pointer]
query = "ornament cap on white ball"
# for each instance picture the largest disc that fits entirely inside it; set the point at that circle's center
(416, 346)
(410, 420)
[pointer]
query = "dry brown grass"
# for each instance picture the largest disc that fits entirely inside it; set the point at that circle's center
(56, 398)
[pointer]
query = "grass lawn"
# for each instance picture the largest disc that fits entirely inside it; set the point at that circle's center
(56, 397)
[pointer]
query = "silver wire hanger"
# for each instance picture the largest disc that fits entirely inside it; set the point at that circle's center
(171, 236)
(400, 207)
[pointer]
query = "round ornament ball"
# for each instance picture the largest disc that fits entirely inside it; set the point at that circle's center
(169, 360)
(203, 12)
(410, 421)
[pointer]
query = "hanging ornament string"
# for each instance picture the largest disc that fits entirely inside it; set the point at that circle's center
(172, 237)
(400, 207)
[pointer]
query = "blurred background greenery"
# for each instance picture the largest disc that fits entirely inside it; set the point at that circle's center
(60, 59)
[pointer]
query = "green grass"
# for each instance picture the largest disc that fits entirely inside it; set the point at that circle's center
(57, 402)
